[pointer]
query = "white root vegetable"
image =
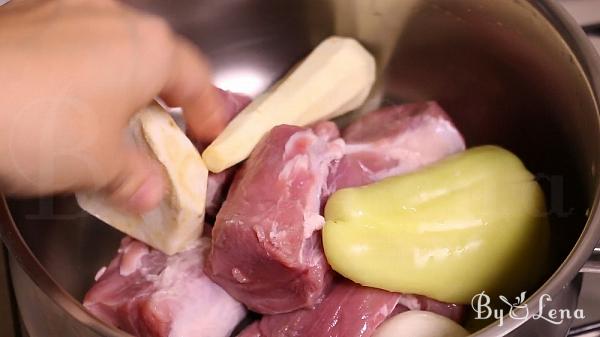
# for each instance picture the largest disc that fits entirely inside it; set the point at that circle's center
(420, 324)
(178, 221)
(334, 79)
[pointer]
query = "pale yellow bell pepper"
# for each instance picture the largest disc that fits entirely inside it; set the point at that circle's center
(471, 223)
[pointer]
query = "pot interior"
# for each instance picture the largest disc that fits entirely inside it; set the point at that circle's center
(498, 67)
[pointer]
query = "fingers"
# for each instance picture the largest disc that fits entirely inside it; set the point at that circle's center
(176, 70)
(189, 86)
(138, 184)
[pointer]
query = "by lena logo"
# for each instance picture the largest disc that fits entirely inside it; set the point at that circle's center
(481, 304)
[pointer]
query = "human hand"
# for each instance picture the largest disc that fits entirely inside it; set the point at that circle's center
(73, 72)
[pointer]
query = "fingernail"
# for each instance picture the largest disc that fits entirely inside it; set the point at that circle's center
(148, 195)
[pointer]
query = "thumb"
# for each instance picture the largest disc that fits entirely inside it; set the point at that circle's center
(138, 182)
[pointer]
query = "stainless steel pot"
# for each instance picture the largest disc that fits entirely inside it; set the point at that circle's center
(511, 72)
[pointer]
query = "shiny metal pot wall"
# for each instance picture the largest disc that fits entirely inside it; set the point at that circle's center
(515, 73)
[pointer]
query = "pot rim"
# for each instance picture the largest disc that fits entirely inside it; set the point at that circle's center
(20, 252)
(588, 60)
(586, 57)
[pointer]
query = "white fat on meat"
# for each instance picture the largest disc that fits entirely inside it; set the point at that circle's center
(434, 138)
(148, 293)
(300, 163)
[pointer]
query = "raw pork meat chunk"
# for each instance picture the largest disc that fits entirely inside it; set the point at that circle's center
(393, 141)
(267, 251)
(150, 294)
(216, 190)
(350, 310)
(233, 102)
